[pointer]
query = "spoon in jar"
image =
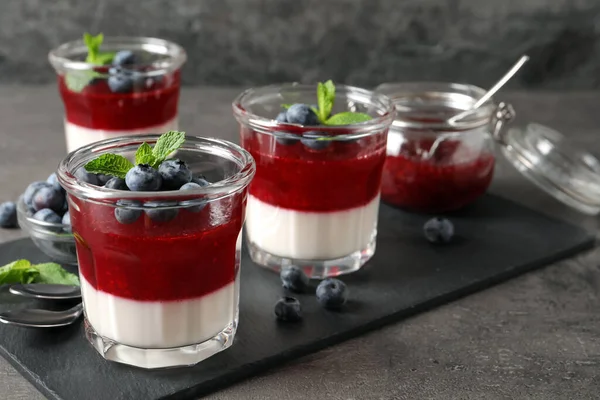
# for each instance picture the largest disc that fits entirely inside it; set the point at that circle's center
(39, 318)
(492, 90)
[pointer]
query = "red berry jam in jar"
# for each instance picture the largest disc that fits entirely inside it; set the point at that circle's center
(432, 165)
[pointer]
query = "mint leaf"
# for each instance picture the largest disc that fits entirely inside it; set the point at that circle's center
(104, 58)
(109, 164)
(325, 100)
(20, 271)
(144, 155)
(54, 273)
(348, 118)
(94, 55)
(78, 80)
(166, 144)
(286, 106)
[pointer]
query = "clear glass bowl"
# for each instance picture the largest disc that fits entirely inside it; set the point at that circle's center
(54, 240)
(159, 270)
(147, 98)
(314, 200)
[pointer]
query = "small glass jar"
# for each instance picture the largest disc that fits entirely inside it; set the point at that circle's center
(433, 165)
(103, 102)
(315, 198)
(160, 270)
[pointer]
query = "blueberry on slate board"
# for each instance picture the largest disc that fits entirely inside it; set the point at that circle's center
(143, 178)
(127, 215)
(438, 230)
(294, 279)
(8, 215)
(288, 309)
(332, 293)
(174, 173)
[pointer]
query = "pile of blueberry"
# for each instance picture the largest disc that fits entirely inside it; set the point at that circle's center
(45, 201)
(331, 294)
(302, 114)
(123, 78)
(170, 175)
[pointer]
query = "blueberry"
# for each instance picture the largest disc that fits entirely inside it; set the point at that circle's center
(438, 230)
(8, 215)
(82, 175)
(30, 191)
(281, 117)
(116, 183)
(66, 221)
(287, 309)
(124, 57)
(53, 180)
(294, 279)
(309, 139)
(302, 114)
(143, 178)
(120, 83)
(161, 215)
(192, 186)
(175, 174)
(331, 293)
(47, 215)
(200, 180)
(48, 197)
(102, 179)
(126, 215)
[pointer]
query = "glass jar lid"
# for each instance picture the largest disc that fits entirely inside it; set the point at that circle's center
(549, 160)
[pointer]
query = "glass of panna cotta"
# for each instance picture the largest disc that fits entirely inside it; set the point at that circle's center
(315, 199)
(160, 269)
(135, 92)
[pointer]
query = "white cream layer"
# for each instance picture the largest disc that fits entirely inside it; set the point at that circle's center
(160, 324)
(78, 136)
(310, 235)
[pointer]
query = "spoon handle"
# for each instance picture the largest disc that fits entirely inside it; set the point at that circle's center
(46, 291)
(492, 90)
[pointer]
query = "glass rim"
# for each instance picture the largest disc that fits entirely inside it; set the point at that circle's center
(215, 191)
(340, 132)
(175, 55)
(402, 90)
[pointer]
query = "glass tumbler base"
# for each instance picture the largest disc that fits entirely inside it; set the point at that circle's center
(160, 358)
(314, 269)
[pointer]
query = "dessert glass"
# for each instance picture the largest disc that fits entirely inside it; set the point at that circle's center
(433, 166)
(313, 203)
(93, 112)
(163, 290)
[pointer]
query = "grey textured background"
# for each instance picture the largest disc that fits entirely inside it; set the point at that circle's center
(363, 42)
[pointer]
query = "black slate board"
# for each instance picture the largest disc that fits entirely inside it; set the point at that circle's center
(497, 239)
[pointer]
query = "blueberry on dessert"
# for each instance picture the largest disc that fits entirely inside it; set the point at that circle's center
(174, 173)
(8, 215)
(124, 58)
(332, 293)
(192, 186)
(87, 177)
(301, 114)
(200, 180)
(119, 81)
(143, 178)
(125, 214)
(315, 140)
(103, 179)
(161, 214)
(116, 183)
(294, 279)
(288, 309)
(438, 230)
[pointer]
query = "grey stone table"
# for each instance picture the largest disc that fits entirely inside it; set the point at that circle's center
(535, 337)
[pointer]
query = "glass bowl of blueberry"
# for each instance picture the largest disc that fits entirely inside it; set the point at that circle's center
(43, 212)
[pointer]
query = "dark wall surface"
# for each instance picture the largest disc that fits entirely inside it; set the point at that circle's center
(362, 42)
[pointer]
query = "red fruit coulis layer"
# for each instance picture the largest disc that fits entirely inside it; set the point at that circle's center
(188, 257)
(443, 182)
(342, 176)
(96, 107)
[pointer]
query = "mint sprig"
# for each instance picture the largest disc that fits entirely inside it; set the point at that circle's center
(348, 118)
(22, 271)
(76, 81)
(117, 165)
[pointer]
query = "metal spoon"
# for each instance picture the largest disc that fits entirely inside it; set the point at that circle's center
(37, 318)
(47, 291)
(492, 91)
